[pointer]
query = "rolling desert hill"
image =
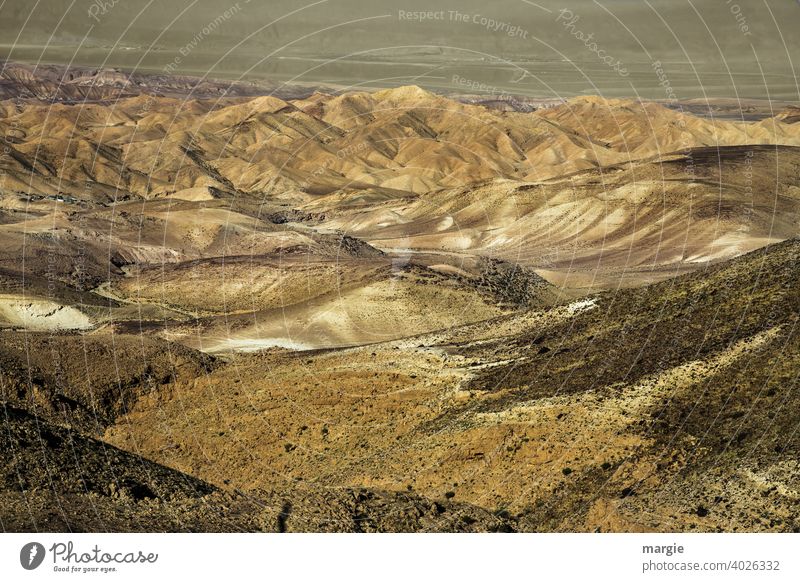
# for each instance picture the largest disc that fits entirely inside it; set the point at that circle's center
(592, 194)
(392, 311)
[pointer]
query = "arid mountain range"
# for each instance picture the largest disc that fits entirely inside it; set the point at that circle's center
(394, 311)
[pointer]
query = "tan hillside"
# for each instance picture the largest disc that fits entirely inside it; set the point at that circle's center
(393, 311)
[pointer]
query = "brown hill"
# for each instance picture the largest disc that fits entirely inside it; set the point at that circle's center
(418, 281)
(667, 408)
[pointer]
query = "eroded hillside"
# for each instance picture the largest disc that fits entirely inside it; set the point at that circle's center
(392, 311)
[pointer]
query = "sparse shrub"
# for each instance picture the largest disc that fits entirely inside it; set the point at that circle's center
(502, 513)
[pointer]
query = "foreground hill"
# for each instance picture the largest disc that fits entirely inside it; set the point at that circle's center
(56, 479)
(57, 475)
(667, 408)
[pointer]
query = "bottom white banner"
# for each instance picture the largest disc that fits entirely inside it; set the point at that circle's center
(355, 557)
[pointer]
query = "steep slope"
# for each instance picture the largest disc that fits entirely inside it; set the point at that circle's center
(86, 381)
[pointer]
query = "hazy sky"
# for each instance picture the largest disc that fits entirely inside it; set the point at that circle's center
(546, 48)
